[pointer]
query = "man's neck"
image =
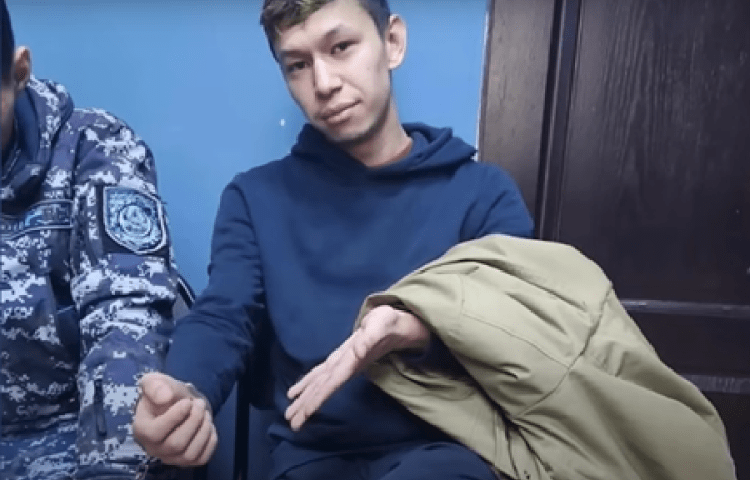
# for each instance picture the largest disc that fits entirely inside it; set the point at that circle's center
(382, 150)
(389, 144)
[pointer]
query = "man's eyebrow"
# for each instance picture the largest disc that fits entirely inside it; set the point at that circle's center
(332, 33)
(326, 38)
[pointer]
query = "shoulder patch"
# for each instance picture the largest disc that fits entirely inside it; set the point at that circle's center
(134, 219)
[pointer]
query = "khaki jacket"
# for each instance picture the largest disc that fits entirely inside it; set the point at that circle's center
(562, 384)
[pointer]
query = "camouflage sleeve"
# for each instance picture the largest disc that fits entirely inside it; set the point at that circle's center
(124, 284)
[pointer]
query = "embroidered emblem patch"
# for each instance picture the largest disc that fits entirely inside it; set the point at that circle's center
(134, 219)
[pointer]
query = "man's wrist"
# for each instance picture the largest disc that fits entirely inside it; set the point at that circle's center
(415, 331)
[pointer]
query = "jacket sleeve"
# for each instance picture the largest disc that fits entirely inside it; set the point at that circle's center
(212, 345)
(124, 283)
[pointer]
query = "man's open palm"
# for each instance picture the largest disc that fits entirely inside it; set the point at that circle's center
(382, 331)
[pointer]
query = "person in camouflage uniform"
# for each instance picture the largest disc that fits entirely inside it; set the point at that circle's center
(88, 281)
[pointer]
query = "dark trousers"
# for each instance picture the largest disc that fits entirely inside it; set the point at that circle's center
(432, 461)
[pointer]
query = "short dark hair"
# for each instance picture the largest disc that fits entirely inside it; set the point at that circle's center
(278, 15)
(9, 45)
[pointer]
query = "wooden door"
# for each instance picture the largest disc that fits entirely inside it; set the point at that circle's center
(630, 137)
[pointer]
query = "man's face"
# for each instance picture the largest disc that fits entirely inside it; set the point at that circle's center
(12, 88)
(337, 68)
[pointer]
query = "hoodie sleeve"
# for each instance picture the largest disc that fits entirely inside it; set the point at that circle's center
(212, 344)
(498, 207)
(124, 283)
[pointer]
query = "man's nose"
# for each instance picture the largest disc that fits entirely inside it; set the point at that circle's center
(326, 78)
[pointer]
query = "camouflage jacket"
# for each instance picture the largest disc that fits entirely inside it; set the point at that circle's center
(88, 278)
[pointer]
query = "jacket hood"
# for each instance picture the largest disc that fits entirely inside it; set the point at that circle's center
(40, 112)
(433, 149)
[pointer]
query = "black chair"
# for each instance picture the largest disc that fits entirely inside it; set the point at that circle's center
(185, 299)
(251, 445)
(252, 406)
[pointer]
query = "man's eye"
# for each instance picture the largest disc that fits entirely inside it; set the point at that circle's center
(340, 47)
(296, 66)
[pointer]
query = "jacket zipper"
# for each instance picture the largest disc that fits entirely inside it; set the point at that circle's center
(101, 423)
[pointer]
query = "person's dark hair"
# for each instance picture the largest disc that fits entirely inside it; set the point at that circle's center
(278, 15)
(9, 45)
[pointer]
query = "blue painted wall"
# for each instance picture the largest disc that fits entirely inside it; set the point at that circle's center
(195, 79)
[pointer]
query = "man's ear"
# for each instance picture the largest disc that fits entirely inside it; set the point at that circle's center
(21, 68)
(395, 41)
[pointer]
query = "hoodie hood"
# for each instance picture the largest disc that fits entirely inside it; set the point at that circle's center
(432, 149)
(40, 112)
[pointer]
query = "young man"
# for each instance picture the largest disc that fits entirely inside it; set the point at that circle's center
(87, 281)
(361, 201)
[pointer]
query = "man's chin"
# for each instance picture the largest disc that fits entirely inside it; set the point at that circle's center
(347, 138)
(347, 141)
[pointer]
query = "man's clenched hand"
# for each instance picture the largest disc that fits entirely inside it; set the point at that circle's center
(173, 422)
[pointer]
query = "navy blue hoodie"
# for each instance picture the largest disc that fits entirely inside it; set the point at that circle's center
(306, 239)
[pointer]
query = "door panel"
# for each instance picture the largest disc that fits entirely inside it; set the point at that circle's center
(660, 117)
(517, 62)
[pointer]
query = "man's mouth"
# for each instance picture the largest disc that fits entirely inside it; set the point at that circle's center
(335, 113)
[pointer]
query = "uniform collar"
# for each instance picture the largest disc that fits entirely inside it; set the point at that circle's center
(10, 153)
